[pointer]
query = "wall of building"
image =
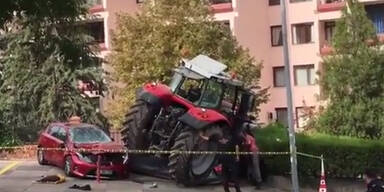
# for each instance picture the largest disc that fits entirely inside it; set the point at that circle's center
(252, 29)
(250, 22)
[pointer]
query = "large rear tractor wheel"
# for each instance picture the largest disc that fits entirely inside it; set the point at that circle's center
(137, 120)
(191, 169)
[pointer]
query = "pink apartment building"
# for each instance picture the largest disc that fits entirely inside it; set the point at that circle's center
(257, 26)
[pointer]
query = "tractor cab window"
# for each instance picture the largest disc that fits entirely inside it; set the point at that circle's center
(229, 100)
(176, 79)
(212, 95)
(191, 89)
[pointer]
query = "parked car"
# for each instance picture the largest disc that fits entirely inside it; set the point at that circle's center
(76, 136)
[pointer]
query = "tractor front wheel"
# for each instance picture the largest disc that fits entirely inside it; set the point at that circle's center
(136, 122)
(190, 169)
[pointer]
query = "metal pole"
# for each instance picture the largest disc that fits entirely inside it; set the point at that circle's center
(98, 164)
(292, 140)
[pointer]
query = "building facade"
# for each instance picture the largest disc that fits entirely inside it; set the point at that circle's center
(257, 26)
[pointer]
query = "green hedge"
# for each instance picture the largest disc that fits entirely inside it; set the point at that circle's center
(345, 157)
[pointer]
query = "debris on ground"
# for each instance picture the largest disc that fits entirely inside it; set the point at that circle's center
(149, 187)
(86, 187)
(154, 185)
(56, 179)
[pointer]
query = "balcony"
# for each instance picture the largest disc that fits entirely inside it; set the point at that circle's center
(326, 49)
(95, 6)
(221, 6)
(327, 30)
(103, 47)
(381, 37)
(330, 5)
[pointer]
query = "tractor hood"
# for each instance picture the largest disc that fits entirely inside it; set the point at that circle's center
(205, 66)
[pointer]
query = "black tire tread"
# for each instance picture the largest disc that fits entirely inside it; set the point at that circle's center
(178, 163)
(135, 122)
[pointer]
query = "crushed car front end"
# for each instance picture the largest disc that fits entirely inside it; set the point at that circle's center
(112, 165)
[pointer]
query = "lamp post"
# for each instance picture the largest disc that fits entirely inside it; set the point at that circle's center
(291, 131)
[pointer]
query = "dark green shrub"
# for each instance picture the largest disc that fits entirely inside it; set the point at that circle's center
(345, 157)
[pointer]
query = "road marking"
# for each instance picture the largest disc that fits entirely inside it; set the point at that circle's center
(8, 167)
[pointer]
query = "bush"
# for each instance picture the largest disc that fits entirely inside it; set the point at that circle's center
(345, 157)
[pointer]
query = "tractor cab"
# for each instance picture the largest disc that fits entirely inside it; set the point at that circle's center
(212, 90)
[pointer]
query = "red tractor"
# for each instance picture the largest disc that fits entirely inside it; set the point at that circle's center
(200, 102)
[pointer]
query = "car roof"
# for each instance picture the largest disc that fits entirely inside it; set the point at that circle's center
(70, 126)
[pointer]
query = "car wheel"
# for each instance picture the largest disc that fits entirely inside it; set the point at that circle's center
(68, 166)
(41, 157)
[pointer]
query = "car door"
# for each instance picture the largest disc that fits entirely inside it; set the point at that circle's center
(47, 141)
(59, 141)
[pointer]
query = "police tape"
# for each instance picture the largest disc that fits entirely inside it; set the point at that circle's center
(161, 152)
(310, 156)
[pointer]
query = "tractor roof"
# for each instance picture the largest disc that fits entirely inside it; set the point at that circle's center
(204, 67)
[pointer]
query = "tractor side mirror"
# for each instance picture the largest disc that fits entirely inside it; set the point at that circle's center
(250, 126)
(252, 117)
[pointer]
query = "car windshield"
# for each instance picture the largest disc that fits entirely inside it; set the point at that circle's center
(88, 134)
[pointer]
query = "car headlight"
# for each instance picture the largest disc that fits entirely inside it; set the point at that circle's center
(125, 158)
(85, 158)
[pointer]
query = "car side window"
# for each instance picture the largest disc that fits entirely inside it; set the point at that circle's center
(58, 132)
(62, 134)
(53, 131)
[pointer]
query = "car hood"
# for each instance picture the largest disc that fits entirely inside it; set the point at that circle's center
(98, 148)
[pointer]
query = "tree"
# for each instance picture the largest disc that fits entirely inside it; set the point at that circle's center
(353, 78)
(146, 46)
(53, 9)
(45, 57)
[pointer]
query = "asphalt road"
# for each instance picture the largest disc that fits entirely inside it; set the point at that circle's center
(20, 176)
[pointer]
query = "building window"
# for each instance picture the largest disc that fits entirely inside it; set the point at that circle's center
(304, 75)
(276, 35)
(278, 77)
(295, 1)
(226, 24)
(96, 30)
(331, 1)
(376, 14)
(92, 3)
(302, 33)
(282, 116)
(329, 28)
(220, 1)
(303, 115)
(274, 2)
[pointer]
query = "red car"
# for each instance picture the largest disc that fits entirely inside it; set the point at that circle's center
(83, 164)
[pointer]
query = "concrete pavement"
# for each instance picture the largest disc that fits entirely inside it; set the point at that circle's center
(21, 177)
